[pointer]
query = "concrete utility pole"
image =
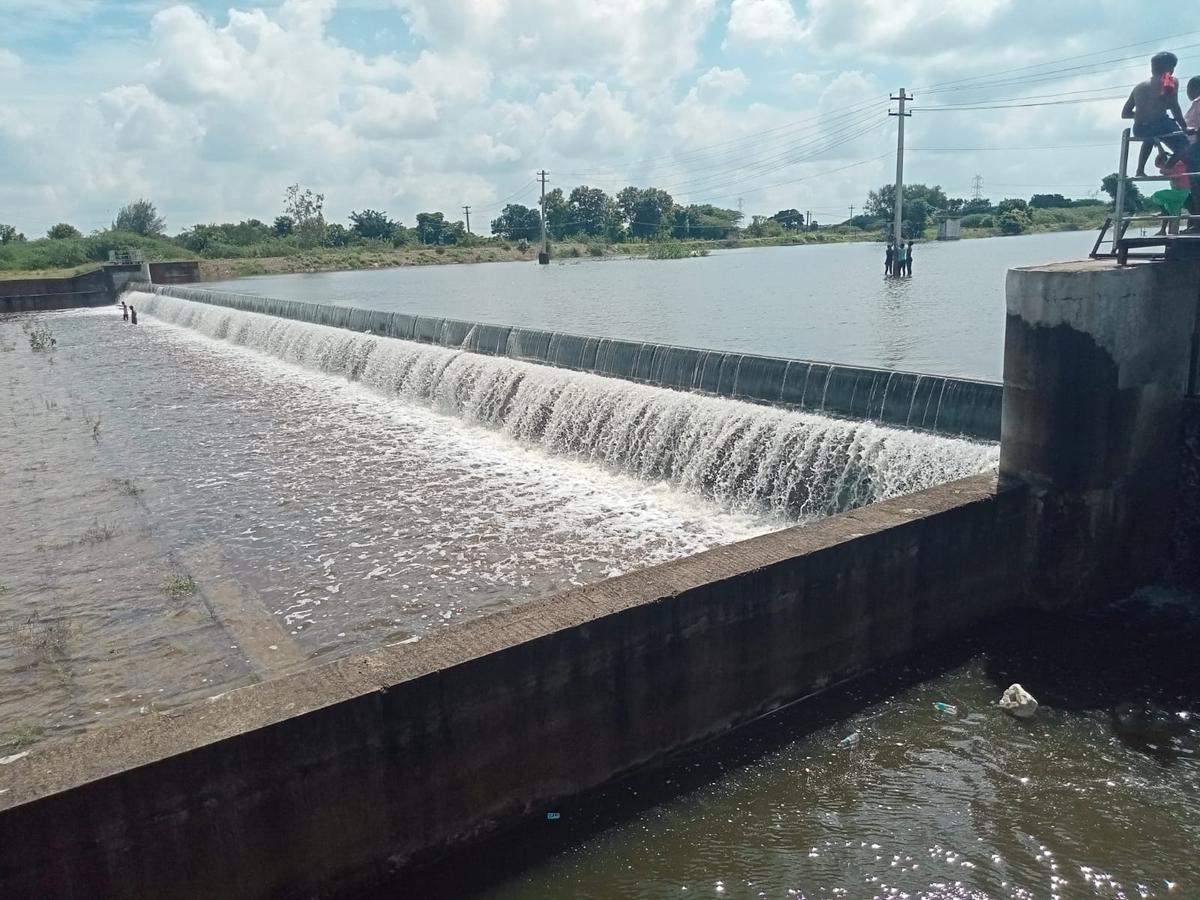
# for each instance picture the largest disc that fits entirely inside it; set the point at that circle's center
(808, 220)
(899, 198)
(544, 255)
(467, 213)
(851, 210)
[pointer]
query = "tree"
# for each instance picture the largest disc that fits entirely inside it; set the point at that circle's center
(306, 210)
(432, 228)
(337, 235)
(789, 218)
(1012, 222)
(1012, 204)
(703, 220)
(881, 204)
(10, 235)
(764, 227)
(1049, 201)
(592, 210)
(646, 210)
(558, 215)
(980, 205)
(373, 225)
(140, 217)
(62, 231)
(283, 226)
(1134, 201)
(517, 223)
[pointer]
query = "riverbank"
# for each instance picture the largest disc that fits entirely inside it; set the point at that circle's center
(353, 258)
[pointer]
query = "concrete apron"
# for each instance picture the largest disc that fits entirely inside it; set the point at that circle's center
(333, 780)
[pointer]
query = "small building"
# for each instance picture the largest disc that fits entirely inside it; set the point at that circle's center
(949, 226)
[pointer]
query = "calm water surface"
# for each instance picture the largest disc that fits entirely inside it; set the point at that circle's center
(968, 804)
(821, 302)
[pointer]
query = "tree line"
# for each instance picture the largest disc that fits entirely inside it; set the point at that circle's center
(583, 213)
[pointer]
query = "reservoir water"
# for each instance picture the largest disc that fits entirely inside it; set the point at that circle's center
(827, 302)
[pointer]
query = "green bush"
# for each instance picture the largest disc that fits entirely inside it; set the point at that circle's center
(978, 220)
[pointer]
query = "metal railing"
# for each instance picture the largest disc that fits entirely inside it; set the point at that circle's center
(1121, 221)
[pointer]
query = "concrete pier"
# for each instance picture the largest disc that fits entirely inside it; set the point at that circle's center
(1096, 362)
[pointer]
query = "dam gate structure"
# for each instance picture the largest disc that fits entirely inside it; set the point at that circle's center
(340, 779)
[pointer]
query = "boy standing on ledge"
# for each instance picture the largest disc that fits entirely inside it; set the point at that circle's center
(1154, 107)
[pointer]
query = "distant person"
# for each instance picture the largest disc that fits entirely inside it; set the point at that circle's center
(124, 312)
(132, 315)
(1191, 118)
(908, 260)
(1154, 107)
(901, 260)
(888, 256)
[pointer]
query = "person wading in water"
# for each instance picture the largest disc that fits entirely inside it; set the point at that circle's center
(908, 261)
(901, 260)
(887, 258)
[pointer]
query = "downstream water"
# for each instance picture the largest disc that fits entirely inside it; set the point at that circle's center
(821, 302)
(1098, 796)
(217, 497)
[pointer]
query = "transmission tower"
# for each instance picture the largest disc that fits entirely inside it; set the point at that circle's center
(977, 187)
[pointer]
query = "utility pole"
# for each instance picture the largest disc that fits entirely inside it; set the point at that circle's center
(687, 226)
(851, 210)
(899, 196)
(977, 187)
(467, 213)
(808, 220)
(544, 255)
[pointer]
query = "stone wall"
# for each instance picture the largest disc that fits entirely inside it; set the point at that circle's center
(334, 780)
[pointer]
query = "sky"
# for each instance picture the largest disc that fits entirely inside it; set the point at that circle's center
(210, 110)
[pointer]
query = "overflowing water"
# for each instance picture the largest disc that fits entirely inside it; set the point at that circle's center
(203, 507)
(744, 457)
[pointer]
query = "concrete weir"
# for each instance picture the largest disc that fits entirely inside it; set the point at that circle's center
(339, 779)
(950, 406)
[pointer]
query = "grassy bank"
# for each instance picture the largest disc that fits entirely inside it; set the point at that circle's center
(46, 258)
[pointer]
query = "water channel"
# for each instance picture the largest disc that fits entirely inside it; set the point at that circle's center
(825, 302)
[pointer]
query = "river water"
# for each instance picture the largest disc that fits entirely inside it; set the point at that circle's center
(216, 497)
(826, 302)
(1097, 796)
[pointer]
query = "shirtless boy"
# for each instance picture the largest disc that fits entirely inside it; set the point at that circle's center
(1154, 107)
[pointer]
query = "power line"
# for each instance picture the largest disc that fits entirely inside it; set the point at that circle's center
(1015, 105)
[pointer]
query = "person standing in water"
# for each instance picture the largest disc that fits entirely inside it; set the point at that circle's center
(132, 314)
(888, 255)
(901, 260)
(908, 261)
(124, 312)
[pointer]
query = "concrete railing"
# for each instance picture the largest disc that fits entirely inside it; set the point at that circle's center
(951, 406)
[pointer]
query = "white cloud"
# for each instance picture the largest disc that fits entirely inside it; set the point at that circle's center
(770, 22)
(719, 85)
(642, 40)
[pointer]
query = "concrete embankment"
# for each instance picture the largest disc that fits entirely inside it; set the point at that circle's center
(333, 780)
(951, 406)
(97, 288)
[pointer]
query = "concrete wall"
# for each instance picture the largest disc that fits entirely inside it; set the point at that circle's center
(1096, 362)
(31, 294)
(953, 406)
(333, 780)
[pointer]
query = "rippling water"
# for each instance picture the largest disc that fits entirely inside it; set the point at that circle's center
(316, 516)
(819, 302)
(1098, 796)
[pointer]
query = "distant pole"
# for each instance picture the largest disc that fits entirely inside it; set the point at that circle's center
(544, 256)
(467, 213)
(899, 196)
(808, 220)
(851, 210)
(687, 225)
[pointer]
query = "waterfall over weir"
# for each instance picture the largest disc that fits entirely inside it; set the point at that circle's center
(745, 456)
(953, 406)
